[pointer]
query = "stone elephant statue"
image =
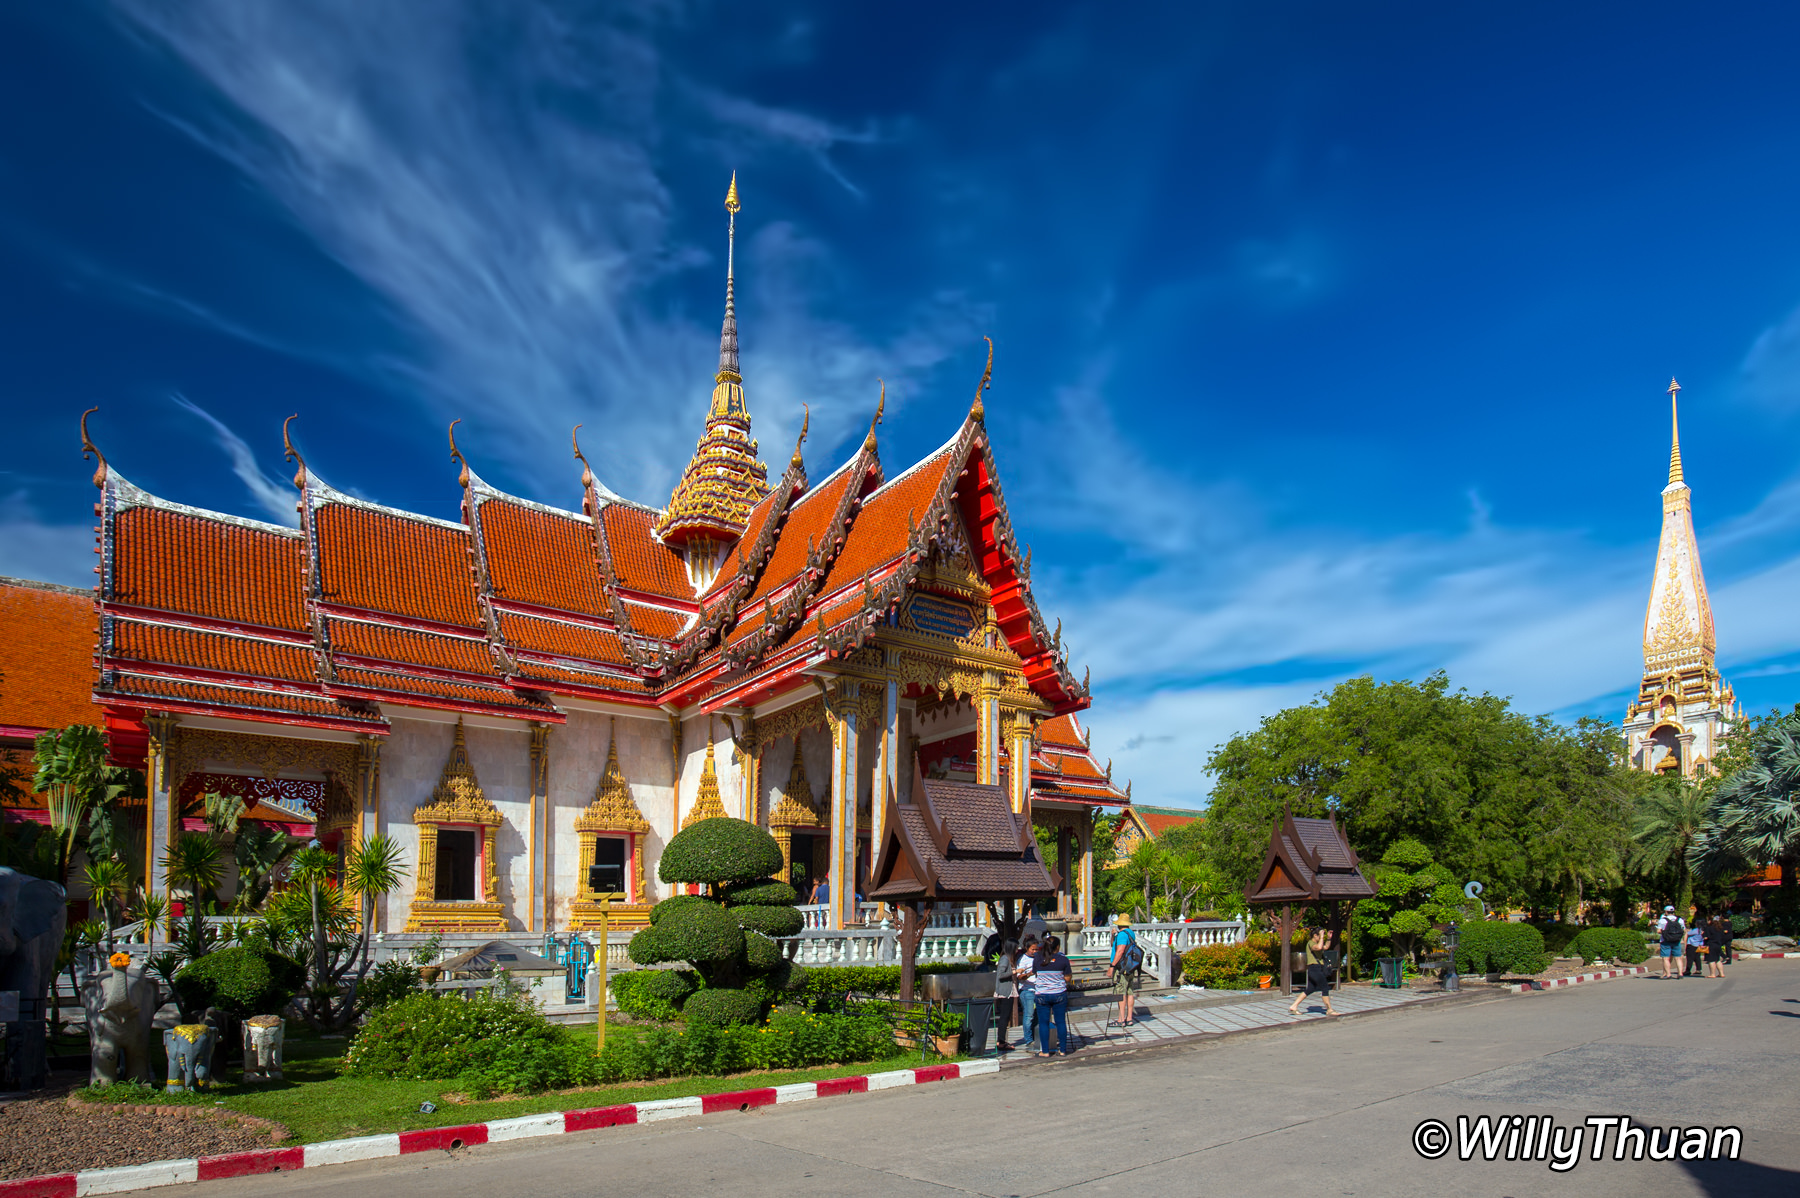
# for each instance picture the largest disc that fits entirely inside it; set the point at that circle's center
(32, 915)
(121, 1006)
(263, 1036)
(190, 1049)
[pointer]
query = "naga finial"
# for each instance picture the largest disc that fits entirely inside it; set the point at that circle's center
(292, 454)
(462, 480)
(88, 449)
(880, 406)
(797, 462)
(587, 472)
(977, 410)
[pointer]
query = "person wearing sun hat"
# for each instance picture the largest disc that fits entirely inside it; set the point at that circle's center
(1124, 975)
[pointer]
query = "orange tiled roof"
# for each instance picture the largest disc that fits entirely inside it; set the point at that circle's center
(639, 561)
(879, 532)
(1075, 765)
(183, 562)
(809, 517)
(1160, 820)
(381, 561)
(1062, 730)
(537, 635)
(162, 644)
(655, 621)
(539, 558)
(175, 694)
(384, 642)
(550, 673)
(46, 656)
(427, 689)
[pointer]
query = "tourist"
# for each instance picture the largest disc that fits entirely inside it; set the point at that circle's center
(1125, 977)
(1052, 980)
(1005, 990)
(1670, 932)
(1319, 960)
(1718, 937)
(1024, 971)
(821, 891)
(1696, 940)
(1035, 928)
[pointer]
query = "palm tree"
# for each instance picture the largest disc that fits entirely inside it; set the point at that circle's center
(192, 864)
(1668, 821)
(373, 869)
(313, 869)
(260, 851)
(108, 881)
(1755, 813)
(73, 776)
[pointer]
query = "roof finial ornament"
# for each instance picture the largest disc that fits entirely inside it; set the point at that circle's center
(292, 454)
(587, 472)
(1674, 435)
(977, 410)
(462, 480)
(797, 462)
(728, 343)
(880, 406)
(88, 449)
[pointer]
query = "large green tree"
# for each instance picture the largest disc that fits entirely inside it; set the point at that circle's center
(1753, 816)
(1521, 804)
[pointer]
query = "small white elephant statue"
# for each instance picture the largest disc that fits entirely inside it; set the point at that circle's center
(190, 1049)
(121, 1007)
(263, 1035)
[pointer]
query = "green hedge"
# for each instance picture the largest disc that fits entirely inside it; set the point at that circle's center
(1499, 946)
(653, 993)
(1613, 944)
(244, 981)
(823, 980)
(427, 1036)
(1220, 966)
(723, 1008)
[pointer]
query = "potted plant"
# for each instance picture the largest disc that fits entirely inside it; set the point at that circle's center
(945, 1028)
(423, 954)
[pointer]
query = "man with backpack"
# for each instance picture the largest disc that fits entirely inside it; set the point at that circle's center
(1126, 969)
(1671, 932)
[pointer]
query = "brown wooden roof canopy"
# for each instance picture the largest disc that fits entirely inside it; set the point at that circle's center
(958, 842)
(1309, 861)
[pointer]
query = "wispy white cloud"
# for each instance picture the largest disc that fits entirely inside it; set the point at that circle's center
(32, 547)
(493, 174)
(275, 497)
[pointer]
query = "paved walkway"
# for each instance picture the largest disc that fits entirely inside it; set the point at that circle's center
(1169, 1024)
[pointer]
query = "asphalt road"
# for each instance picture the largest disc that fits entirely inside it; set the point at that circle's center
(1320, 1109)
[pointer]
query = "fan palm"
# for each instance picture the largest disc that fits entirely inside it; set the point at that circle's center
(260, 852)
(1755, 813)
(1665, 827)
(108, 881)
(192, 864)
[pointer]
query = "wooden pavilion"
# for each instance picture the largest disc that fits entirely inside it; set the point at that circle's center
(1309, 862)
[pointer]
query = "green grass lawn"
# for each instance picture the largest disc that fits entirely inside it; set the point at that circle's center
(317, 1104)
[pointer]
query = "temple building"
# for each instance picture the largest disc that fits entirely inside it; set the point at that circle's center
(1683, 710)
(532, 700)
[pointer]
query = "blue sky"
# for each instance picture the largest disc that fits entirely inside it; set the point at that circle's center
(1330, 338)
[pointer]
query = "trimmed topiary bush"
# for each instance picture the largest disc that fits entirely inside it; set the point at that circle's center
(1498, 946)
(653, 993)
(723, 1008)
(1610, 944)
(727, 936)
(719, 851)
(243, 981)
(1217, 966)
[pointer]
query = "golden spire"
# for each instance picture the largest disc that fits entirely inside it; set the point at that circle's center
(708, 803)
(1674, 435)
(711, 502)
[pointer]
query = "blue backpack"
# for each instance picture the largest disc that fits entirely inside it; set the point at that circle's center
(1134, 952)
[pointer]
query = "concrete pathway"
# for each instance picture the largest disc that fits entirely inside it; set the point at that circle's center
(1176, 1016)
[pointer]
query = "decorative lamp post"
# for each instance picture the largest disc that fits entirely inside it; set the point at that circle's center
(1451, 935)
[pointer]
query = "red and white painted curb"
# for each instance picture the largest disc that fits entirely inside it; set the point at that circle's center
(552, 1123)
(1549, 983)
(1740, 956)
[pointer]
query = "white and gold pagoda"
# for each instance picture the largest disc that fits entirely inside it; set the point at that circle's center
(1683, 710)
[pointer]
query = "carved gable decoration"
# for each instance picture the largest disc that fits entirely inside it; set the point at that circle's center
(708, 803)
(457, 798)
(797, 808)
(612, 808)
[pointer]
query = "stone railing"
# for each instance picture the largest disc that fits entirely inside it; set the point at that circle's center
(1163, 943)
(817, 916)
(878, 946)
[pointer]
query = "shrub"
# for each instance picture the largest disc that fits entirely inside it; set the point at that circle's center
(770, 921)
(718, 851)
(1615, 944)
(1269, 945)
(722, 1008)
(1558, 937)
(676, 902)
(1498, 946)
(389, 982)
(826, 980)
(764, 893)
(653, 993)
(761, 953)
(426, 1036)
(1215, 965)
(243, 981)
(706, 934)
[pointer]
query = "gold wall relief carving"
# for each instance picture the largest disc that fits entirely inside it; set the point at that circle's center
(265, 755)
(457, 800)
(708, 802)
(789, 721)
